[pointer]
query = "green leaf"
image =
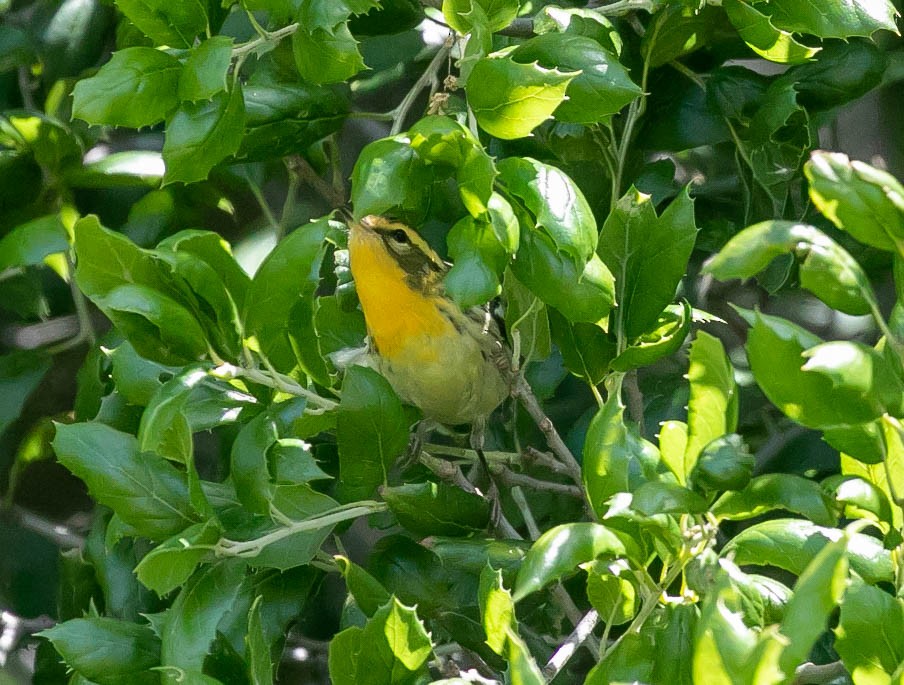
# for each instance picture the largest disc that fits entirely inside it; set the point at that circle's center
(296, 503)
(172, 562)
(136, 378)
(204, 73)
(655, 497)
(344, 651)
(878, 475)
(582, 293)
(164, 428)
(581, 22)
(672, 329)
(167, 23)
(860, 199)
(460, 13)
(826, 269)
(616, 459)
(190, 624)
(677, 30)
(249, 455)
(842, 71)
(158, 327)
(260, 662)
(522, 668)
(144, 490)
(723, 464)
(791, 544)
(372, 431)
(778, 491)
(106, 260)
(723, 644)
(136, 88)
(860, 376)
(201, 287)
(200, 135)
(296, 259)
(763, 37)
(603, 86)
(613, 596)
(586, 349)
(526, 314)
(816, 594)
(712, 410)
(868, 636)
(389, 175)
(292, 461)
(107, 650)
(510, 99)
(393, 647)
(834, 20)
(367, 591)
(29, 243)
(560, 550)
(648, 256)
(497, 610)
(860, 498)
(282, 118)
(775, 348)
(209, 247)
(437, 509)
(478, 262)
(558, 206)
(326, 55)
(442, 141)
(672, 445)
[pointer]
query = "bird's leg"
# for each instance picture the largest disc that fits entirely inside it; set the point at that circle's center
(416, 442)
(478, 435)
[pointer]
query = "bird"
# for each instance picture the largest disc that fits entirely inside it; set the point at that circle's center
(447, 361)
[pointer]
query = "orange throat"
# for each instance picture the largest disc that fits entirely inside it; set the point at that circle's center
(397, 316)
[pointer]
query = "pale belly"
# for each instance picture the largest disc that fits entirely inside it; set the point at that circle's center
(452, 384)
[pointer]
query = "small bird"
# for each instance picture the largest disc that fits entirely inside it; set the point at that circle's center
(438, 357)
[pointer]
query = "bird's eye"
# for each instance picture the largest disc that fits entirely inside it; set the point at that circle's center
(399, 236)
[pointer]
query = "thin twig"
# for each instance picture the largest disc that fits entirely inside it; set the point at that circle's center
(521, 27)
(276, 381)
(447, 471)
(544, 459)
(309, 175)
(401, 112)
(270, 37)
(521, 502)
(581, 632)
(57, 533)
(817, 674)
(13, 629)
(345, 512)
(522, 391)
(512, 478)
(634, 398)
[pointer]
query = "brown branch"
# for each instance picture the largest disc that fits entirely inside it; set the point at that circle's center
(522, 391)
(333, 197)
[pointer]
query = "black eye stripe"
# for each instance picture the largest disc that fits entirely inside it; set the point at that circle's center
(400, 236)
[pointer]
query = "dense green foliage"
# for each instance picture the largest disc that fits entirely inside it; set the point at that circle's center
(690, 492)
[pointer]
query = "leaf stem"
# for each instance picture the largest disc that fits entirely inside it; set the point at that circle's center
(400, 113)
(265, 40)
(251, 548)
(274, 379)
